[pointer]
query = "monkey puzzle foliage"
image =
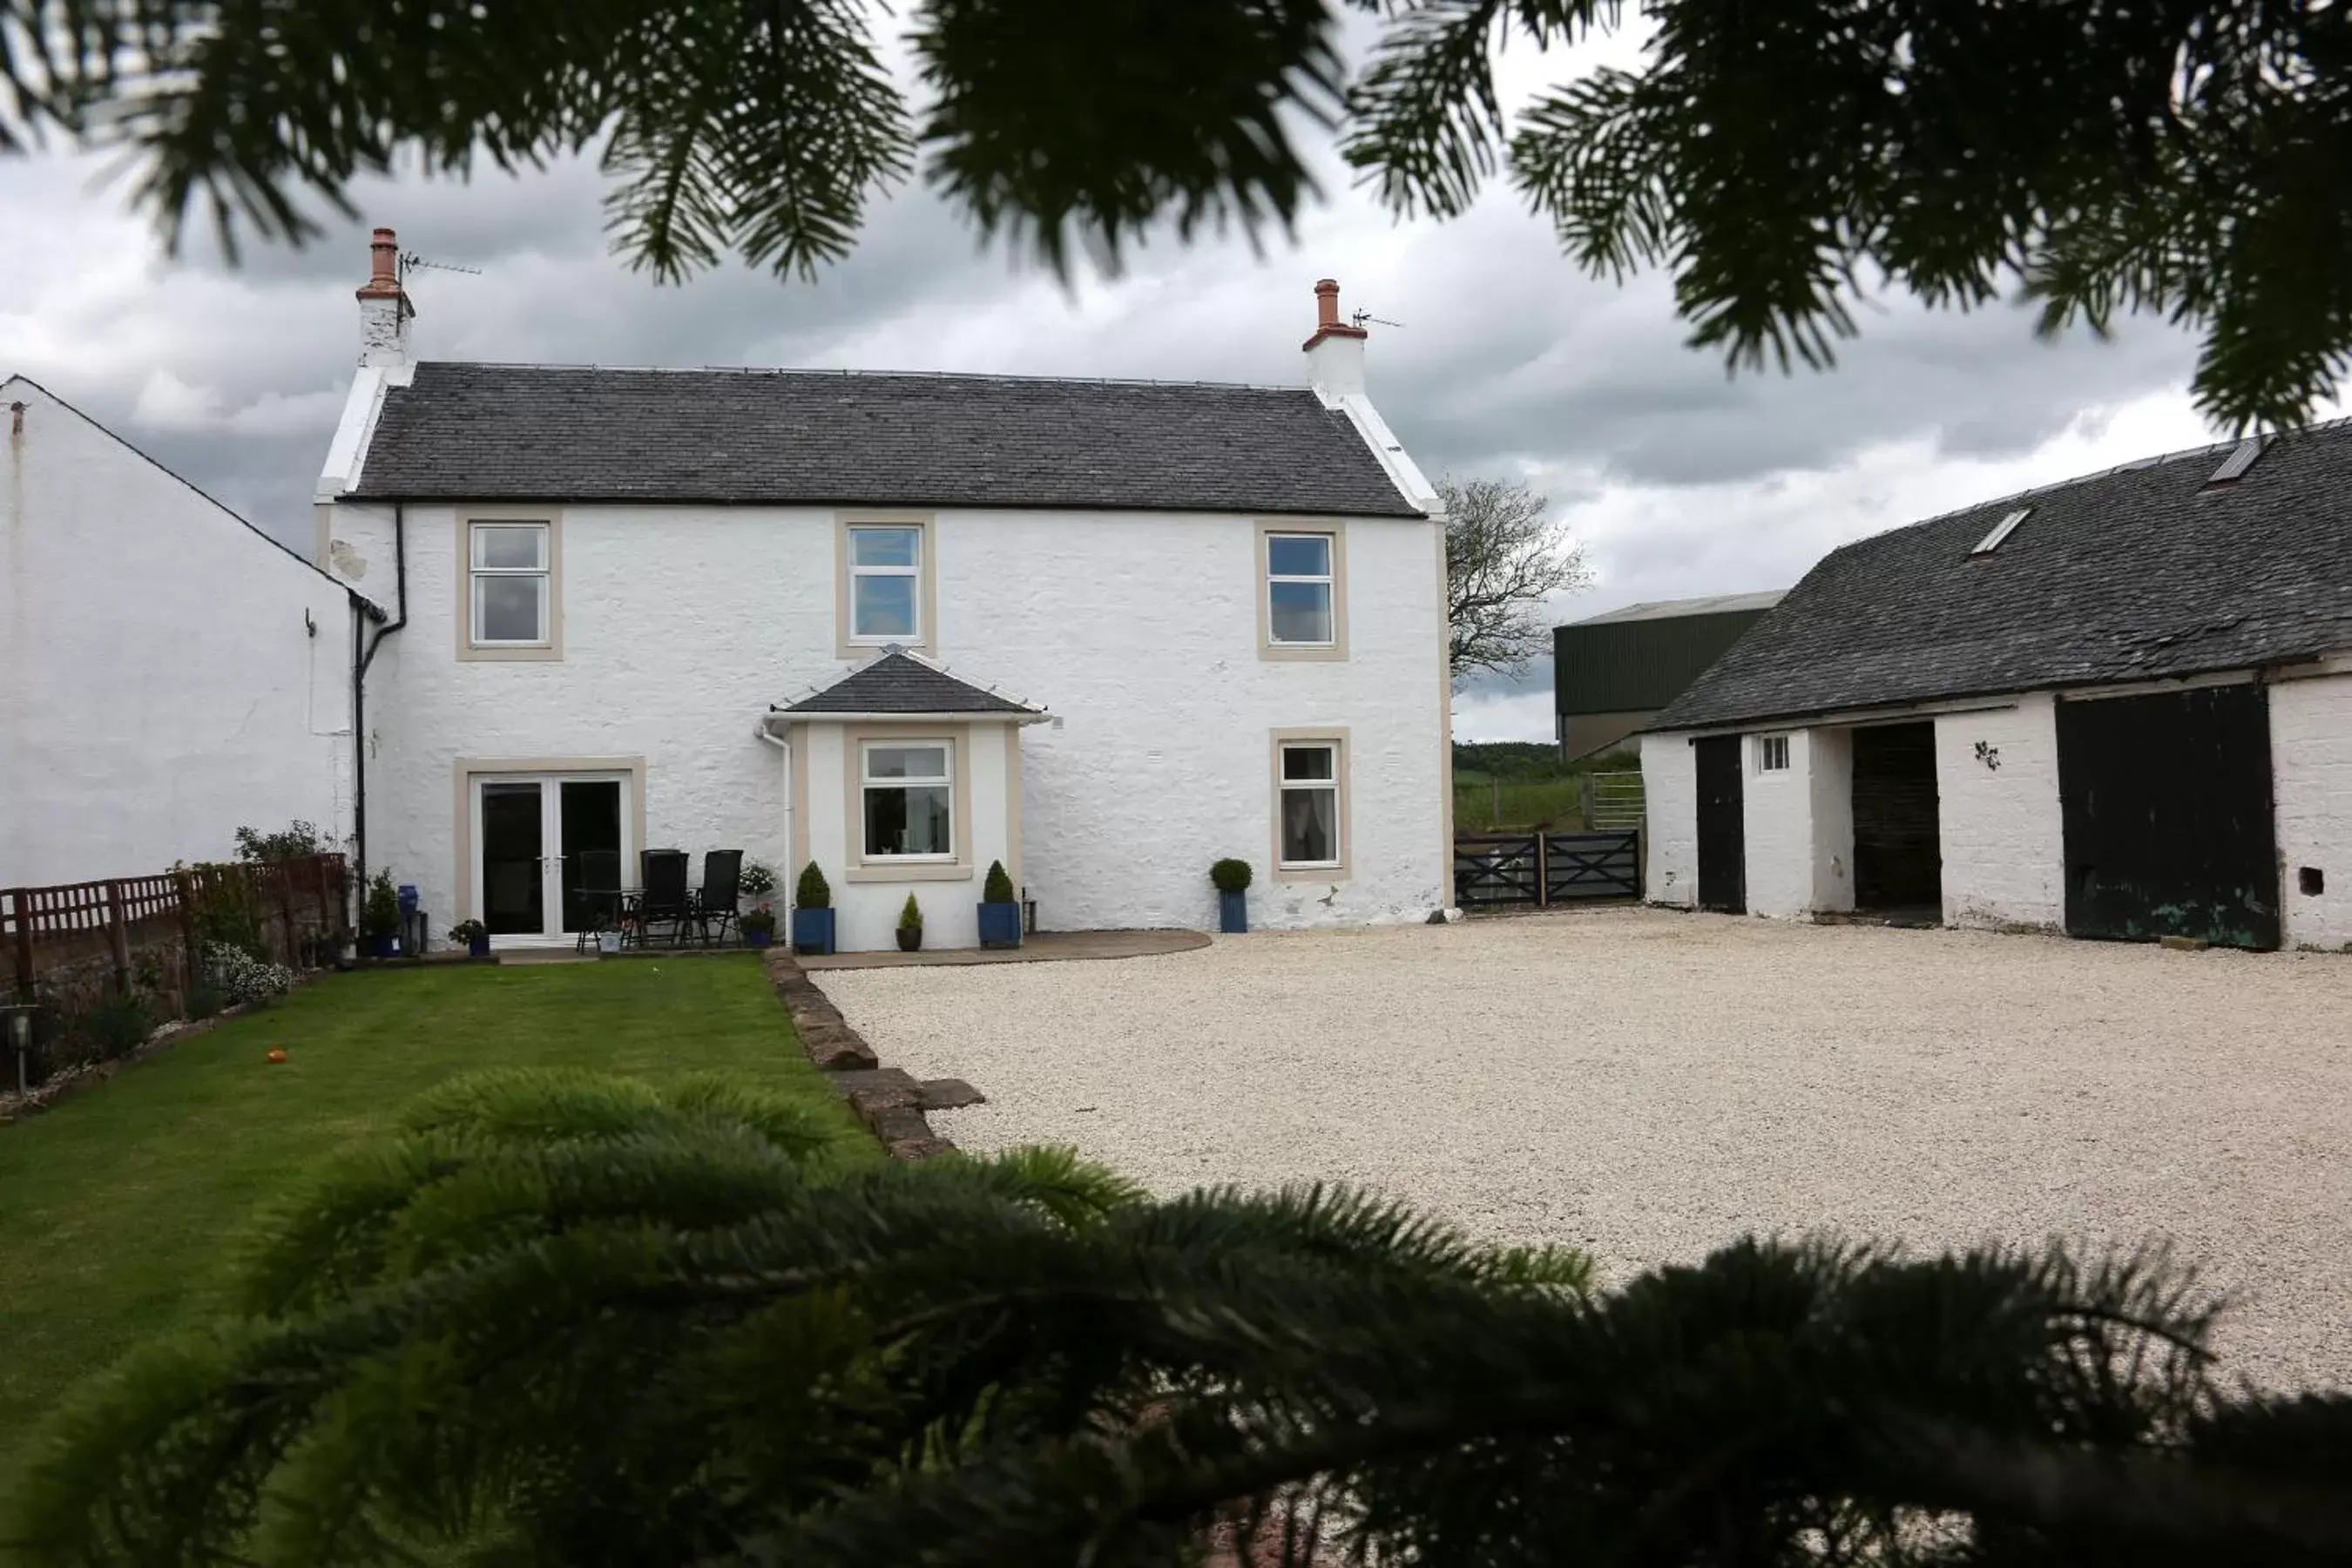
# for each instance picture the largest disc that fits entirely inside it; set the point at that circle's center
(561, 1318)
(2184, 157)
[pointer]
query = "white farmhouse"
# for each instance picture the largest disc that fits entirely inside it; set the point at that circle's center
(2118, 707)
(168, 673)
(902, 626)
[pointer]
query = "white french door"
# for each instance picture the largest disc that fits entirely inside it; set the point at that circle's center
(549, 849)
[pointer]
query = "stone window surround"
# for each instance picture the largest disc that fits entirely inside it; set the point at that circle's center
(1336, 532)
(469, 651)
(862, 868)
(1336, 737)
(926, 591)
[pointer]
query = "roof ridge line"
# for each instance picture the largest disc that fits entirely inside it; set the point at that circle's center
(2157, 461)
(846, 373)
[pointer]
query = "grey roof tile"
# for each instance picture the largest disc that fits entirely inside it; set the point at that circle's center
(2141, 573)
(900, 683)
(493, 432)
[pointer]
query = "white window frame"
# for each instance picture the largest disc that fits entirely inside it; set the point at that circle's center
(1335, 784)
(1767, 749)
(1329, 578)
(867, 783)
(920, 635)
(472, 573)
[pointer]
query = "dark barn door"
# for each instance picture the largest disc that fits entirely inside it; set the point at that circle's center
(2167, 806)
(1899, 856)
(1722, 835)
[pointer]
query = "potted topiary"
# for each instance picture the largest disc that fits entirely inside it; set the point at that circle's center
(812, 912)
(475, 935)
(1000, 915)
(910, 926)
(759, 926)
(1233, 881)
(755, 881)
(380, 916)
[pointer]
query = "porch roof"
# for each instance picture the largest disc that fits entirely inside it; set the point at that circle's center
(898, 685)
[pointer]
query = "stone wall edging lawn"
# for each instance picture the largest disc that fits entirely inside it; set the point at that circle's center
(890, 1101)
(67, 1082)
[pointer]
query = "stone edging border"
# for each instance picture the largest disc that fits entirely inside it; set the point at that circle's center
(890, 1101)
(73, 1081)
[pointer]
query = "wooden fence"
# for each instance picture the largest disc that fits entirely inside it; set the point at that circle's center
(83, 926)
(1537, 870)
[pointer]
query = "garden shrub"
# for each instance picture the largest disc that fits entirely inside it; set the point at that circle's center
(204, 997)
(299, 841)
(814, 892)
(241, 978)
(118, 1024)
(998, 888)
(1231, 875)
(911, 917)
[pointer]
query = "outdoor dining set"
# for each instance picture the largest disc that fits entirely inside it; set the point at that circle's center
(663, 909)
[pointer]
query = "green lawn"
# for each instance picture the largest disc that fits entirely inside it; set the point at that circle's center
(114, 1205)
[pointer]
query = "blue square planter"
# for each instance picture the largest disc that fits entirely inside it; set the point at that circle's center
(1233, 913)
(1000, 925)
(813, 931)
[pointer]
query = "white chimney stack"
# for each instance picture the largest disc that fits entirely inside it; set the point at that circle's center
(384, 310)
(1335, 354)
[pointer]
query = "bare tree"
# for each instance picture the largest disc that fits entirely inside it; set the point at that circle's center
(1503, 556)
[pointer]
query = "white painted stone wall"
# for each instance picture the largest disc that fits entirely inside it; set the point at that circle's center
(2311, 782)
(1670, 821)
(2004, 833)
(159, 688)
(682, 624)
(867, 913)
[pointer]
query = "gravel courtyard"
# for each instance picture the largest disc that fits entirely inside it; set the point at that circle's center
(1648, 1084)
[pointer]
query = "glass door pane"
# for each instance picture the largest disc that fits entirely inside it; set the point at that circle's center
(514, 901)
(589, 821)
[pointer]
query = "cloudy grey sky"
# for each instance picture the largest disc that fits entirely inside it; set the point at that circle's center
(1674, 479)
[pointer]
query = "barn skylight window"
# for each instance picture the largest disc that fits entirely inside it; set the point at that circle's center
(2235, 465)
(2001, 530)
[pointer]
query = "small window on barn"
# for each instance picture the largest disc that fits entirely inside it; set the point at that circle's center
(2001, 530)
(1771, 754)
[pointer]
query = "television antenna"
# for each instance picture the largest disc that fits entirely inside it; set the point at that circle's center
(1361, 317)
(409, 258)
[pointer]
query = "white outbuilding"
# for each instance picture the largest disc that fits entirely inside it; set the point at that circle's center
(2117, 706)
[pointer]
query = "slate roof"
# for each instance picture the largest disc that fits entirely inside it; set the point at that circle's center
(900, 683)
(496, 432)
(2144, 571)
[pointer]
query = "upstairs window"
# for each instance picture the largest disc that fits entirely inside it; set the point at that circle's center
(1300, 591)
(511, 568)
(909, 793)
(885, 584)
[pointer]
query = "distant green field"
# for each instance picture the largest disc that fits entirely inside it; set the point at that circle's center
(1512, 784)
(1481, 803)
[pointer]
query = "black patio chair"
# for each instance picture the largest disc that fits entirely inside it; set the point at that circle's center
(600, 891)
(714, 904)
(664, 900)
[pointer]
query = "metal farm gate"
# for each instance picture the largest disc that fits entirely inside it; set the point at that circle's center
(1538, 870)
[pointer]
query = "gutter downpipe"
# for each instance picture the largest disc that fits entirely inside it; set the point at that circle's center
(360, 662)
(790, 805)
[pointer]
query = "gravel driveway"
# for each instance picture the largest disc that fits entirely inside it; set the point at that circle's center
(1649, 1084)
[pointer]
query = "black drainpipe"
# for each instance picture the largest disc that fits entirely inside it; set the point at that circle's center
(360, 662)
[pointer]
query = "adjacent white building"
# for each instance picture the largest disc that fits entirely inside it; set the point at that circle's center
(2118, 707)
(901, 626)
(168, 673)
